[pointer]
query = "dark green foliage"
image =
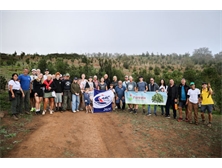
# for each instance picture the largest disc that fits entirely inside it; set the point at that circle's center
(157, 98)
(3, 83)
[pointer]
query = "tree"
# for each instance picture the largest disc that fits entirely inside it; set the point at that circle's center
(202, 55)
(22, 55)
(42, 65)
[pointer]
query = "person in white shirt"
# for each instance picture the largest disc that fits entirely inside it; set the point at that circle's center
(15, 95)
(193, 99)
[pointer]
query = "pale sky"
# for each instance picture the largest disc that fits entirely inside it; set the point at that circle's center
(130, 32)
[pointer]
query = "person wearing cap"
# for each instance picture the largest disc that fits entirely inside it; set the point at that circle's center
(172, 94)
(142, 87)
(66, 87)
(126, 80)
(25, 81)
(182, 94)
(33, 76)
(75, 90)
(58, 91)
(152, 87)
(46, 74)
(206, 102)
(193, 99)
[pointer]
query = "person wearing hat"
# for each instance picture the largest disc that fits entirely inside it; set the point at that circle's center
(206, 102)
(142, 87)
(33, 76)
(75, 90)
(59, 92)
(67, 97)
(193, 99)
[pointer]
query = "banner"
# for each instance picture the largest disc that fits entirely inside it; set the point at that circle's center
(102, 101)
(151, 98)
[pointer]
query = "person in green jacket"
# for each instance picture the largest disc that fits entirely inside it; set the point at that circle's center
(75, 90)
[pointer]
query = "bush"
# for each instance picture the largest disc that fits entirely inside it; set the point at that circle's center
(3, 83)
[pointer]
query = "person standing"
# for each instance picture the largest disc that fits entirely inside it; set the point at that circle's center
(142, 87)
(120, 97)
(131, 86)
(172, 94)
(106, 80)
(152, 87)
(25, 81)
(32, 99)
(48, 96)
(58, 91)
(102, 85)
(114, 82)
(193, 100)
(163, 88)
(75, 90)
(182, 94)
(206, 102)
(66, 87)
(83, 82)
(15, 95)
(46, 74)
(125, 81)
(38, 92)
(96, 82)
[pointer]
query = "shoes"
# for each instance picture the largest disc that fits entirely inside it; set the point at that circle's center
(26, 112)
(167, 116)
(77, 110)
(191, 122)
(15, 117)
(87, 111)
(180, 119)
(74, 111)
(91, 111)
(155, 114)
(32, 109)
(186, 120)
(81, 109)
(43, 113)
(21, 114)
(51, 111)
(209, 124)
(37, 112)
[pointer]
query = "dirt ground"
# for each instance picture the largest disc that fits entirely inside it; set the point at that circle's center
(108, 135)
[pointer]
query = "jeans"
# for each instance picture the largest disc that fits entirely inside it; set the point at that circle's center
(162, 109)
(172, 104)
(75, 102)
(149, 112)
(25, 101)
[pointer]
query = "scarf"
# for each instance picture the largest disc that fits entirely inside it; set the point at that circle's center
(47, 84)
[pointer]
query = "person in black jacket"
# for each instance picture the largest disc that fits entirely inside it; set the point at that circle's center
(182, 93)
(38, 92)
(67, 96)
(106, 80)
(59, 92)
(48, 95)
(172, 93)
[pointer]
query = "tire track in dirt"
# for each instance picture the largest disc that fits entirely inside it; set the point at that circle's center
(74, 135)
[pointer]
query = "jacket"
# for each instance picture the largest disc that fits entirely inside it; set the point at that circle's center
(66, 85)
(174, 92)
(179, 90)
(58, 84)
(52, 85)
(75, 88)
(156, 87)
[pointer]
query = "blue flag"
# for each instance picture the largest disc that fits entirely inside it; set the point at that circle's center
(102, 101)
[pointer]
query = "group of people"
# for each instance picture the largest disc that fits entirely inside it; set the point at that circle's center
(59, 93)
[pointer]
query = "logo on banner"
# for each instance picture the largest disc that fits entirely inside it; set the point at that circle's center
(102, 100)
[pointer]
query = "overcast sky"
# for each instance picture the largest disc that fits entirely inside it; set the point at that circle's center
(130, 32)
